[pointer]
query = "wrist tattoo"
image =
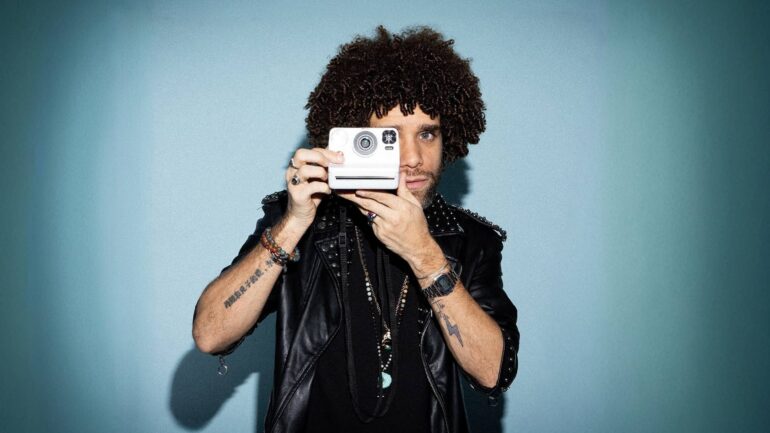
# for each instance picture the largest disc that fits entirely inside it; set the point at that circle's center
(245, 286)
(452, 330)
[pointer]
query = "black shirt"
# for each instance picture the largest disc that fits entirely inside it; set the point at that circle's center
(331, 405)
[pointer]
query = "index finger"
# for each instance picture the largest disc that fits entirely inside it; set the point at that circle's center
(318, 156)
(388, 199)
(332, 155)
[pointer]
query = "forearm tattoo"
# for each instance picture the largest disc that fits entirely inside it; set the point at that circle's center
(452, 330)
(245, 286)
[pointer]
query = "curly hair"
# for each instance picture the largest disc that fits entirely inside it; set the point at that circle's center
(416, 67)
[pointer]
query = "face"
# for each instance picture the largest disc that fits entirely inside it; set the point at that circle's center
(421, 145)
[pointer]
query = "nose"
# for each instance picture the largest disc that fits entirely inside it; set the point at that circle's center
(411, 157)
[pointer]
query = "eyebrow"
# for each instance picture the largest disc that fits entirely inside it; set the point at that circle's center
(430, 127)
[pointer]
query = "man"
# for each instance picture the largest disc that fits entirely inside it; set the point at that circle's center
(383, 298)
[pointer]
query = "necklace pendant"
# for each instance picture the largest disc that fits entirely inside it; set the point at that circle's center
(385, 380)
(386, 343)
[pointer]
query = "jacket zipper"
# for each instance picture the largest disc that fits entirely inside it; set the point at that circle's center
(304, 376)
(342, 244)
(430, 375)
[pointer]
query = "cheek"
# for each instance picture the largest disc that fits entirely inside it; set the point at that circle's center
(435, 156)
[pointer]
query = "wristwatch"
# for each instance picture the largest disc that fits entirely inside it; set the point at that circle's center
(442, 285)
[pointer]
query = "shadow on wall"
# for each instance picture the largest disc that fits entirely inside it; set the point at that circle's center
(454, 184)
(198, 392)
(482, 417)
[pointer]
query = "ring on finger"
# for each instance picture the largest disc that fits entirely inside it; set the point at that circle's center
(370, 216)
(295, 180)
(292, 165)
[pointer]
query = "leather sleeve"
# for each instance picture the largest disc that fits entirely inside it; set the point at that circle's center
(486, 287)
(271, 216)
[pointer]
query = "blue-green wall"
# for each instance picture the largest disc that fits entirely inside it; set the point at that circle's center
(626, 154)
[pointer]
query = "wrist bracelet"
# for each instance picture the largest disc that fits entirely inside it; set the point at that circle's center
(435, 274)
(278, 254)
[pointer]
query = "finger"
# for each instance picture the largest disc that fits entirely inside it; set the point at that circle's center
(308, 172)
(288, 174)
(404, 192)
(318, 188)
(317, 156)
(374, 221)
(306, 189)
(346, 194)
(358, 201)
(336, 156)
(385, 198)
(372, 206)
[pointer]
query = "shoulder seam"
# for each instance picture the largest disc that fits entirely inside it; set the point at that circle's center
(270, 198)
(497, 229)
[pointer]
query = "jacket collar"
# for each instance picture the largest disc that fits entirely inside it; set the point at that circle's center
(442, 218)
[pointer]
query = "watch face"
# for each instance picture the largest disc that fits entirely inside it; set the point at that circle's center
(444, 283)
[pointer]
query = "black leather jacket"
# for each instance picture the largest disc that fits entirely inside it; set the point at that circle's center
(307, 300)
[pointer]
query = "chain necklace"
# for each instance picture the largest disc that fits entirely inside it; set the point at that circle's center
(384, 347)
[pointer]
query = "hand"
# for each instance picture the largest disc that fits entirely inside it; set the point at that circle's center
(400, 223)
(311, 166)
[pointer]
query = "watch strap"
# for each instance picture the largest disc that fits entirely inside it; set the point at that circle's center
(442, 285)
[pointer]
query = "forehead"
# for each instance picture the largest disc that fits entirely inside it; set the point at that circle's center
(396, 119)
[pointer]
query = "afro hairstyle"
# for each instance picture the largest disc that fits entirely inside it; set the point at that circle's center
(417, 67)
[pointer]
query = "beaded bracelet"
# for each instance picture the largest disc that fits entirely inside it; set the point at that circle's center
(278, 254)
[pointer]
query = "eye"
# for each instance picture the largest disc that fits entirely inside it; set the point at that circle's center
(427, 135)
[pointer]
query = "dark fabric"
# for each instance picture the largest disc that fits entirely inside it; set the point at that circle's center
(308, 303)
(330, 408)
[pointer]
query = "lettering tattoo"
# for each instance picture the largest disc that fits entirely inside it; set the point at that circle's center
(245, 286)
(452, 330)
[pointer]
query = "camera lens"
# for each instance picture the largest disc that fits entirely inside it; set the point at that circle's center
(364, 143)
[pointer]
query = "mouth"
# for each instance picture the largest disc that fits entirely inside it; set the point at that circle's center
(416, 183)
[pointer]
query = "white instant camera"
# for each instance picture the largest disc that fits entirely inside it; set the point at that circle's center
(371, 158)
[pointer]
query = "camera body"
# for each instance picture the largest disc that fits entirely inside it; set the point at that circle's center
(372, 158)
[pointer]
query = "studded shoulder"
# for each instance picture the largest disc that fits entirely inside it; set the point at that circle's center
(499, 230)
(274, 197)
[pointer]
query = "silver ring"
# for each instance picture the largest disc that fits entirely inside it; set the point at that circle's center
(291, 164)
(295, 180)
(370, 216)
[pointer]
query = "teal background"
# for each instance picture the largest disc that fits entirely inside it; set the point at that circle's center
(626, 155)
